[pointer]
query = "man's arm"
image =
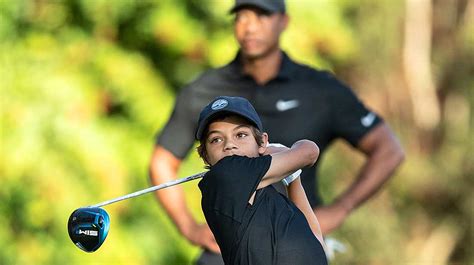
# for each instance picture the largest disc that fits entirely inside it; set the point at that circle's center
(384, 154)
(163, 168)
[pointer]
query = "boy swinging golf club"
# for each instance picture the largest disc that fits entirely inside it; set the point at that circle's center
(251, 221)
(253, 224)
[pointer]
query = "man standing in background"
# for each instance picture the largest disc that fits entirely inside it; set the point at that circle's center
(295, 102)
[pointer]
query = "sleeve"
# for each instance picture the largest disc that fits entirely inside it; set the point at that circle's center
(350, 119)
(177, 135)
(230, 183)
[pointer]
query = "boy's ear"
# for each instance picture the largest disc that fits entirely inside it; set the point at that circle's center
(262, 148)
(206, 159)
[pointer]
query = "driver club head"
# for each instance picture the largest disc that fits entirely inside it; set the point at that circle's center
(88, 227)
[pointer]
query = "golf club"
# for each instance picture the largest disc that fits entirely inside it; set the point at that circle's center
(88, 226)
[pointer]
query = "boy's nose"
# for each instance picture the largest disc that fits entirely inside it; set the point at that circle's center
(229, 145)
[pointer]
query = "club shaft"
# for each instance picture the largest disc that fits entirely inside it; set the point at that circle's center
(150, 189)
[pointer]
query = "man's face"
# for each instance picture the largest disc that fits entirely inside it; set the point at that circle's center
(258, 32)
(231, 136)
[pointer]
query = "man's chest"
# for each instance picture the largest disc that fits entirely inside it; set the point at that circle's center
(289, 112)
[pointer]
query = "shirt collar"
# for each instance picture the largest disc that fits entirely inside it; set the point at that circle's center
(284, 73)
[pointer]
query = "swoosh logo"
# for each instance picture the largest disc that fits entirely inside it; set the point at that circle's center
(368, 119)
(284, 105)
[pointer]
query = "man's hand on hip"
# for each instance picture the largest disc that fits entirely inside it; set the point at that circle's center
(201, 235)
(331, 217)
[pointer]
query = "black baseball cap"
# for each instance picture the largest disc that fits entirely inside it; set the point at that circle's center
(271, 6)
(233, 105)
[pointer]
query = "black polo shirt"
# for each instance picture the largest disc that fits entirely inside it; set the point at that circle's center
(299, 103)
(270, 231)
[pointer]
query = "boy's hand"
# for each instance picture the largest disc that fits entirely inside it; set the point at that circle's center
(291, 177)
(275, 148)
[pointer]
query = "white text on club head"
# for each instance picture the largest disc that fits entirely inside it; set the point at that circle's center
(88, 232)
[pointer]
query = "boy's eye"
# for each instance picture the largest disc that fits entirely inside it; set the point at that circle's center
(215, 140)
(242, 134)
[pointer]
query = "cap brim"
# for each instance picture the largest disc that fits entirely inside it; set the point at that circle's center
(266, 9)
(203, 125)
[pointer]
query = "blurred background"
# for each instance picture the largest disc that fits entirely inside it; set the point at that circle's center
(86, 84)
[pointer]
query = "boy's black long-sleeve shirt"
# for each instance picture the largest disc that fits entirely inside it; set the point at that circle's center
(271, 231)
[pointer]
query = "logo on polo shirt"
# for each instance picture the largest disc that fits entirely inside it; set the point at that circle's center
(284, 105)
(219, 104)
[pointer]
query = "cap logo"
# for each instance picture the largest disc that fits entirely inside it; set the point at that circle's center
(219, 104)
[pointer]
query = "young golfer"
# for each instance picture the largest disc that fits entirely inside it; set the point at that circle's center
(251, 221)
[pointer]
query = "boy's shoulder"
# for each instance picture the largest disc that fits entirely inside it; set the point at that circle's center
(238, 160)
(229, 164)
(238, 165)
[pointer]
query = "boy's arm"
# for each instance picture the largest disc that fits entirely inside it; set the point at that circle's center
(286, 161)
(298, 197)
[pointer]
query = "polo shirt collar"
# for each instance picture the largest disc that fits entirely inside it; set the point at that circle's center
(284, 73)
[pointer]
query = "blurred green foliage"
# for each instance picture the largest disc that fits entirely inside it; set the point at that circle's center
(86, 85)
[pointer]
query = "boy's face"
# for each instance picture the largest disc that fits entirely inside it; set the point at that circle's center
(232, 136)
